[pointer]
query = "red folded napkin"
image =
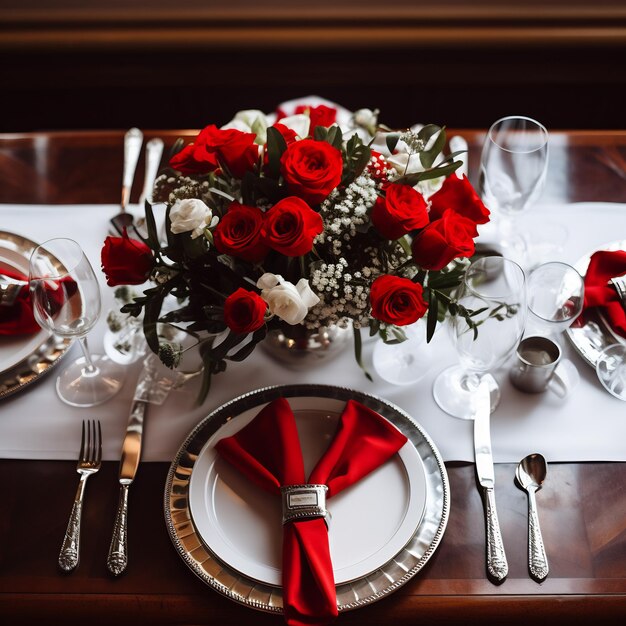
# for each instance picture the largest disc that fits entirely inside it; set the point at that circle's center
(18, 319)
(268, 452)
(603, 266)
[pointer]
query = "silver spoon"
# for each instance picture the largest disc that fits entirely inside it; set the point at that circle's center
(530, 474)
(132, 148)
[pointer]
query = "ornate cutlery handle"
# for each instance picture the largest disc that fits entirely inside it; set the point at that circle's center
(537, 558)
(118, 552)
(497, 565)
(70, 549)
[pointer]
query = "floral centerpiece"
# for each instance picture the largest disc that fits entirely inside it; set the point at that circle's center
(311, 218)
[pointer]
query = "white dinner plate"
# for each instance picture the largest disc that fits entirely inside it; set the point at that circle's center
(24, 358)
(242, 524)
(383, 531)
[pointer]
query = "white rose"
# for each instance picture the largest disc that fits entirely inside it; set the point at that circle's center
(190, 215)
(299, 123)
(285, 300)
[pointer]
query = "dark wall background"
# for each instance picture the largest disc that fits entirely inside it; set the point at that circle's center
(66, 64)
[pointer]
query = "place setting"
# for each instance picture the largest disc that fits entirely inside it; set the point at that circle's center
(337, 301)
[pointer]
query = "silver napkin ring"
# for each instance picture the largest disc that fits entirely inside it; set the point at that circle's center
(301, 502)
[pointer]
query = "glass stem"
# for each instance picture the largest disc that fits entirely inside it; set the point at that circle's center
(471, 381)
(91, 368)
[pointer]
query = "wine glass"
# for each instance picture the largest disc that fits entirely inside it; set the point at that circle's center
(407, 362)
(66, 301)
(488, 325)
(555, 298)
(513, 168)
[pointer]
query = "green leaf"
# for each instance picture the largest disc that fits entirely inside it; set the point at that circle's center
(151, 317)
(320, 133)
(358, 352)
(427, 157)
(335, 137)
(392, 141)
(427, 132)
(244, 352)
(276, 145)
(431, 320)
(153, 235)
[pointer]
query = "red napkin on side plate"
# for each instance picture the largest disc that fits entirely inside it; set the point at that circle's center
(268, 452)
(603, 266)
(18, 319)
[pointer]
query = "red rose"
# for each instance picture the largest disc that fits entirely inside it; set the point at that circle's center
(459, 195)
(244, 311)
(444, 240)
(239, 233)
(289, 135)
(397, 300)
(290, 227)
(402, 210)
(231, 148)
(311, 169)
(320, 115)
(126, 261)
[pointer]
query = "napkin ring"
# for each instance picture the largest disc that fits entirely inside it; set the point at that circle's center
(301, 502)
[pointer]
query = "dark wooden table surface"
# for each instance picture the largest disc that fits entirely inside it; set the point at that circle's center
(582, 505)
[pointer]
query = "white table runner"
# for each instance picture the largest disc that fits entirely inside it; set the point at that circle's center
(589, 426)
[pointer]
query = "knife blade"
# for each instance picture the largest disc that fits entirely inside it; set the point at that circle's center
(497, 565)
(117, 559)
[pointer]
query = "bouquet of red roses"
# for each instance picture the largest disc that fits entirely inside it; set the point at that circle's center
(301, 219)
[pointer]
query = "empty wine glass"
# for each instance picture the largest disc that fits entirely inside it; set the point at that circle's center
(513, 168)
(407, 362)
(66, 301)
(555, 298)
(488, 325)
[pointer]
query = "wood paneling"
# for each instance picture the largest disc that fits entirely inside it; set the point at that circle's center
(87, 64)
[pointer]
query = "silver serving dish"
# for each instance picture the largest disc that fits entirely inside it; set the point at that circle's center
(591, 333)
(350, 595)
(31, 356)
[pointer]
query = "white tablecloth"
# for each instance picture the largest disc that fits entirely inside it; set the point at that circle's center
(589, 426)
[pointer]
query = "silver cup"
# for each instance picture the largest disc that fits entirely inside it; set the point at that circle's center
(534, 370)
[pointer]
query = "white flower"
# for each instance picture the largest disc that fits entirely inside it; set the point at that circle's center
(192, 215)
(299, 123)
(367, 119)
(285, 300)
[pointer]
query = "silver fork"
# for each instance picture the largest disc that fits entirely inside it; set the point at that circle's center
(89, 461)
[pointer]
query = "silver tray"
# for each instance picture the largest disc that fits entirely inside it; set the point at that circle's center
(591, 333)
(350, 595)
(47, 350)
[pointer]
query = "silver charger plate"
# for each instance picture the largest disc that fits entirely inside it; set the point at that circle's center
(591, 333)
(266, 597)
(24, 360)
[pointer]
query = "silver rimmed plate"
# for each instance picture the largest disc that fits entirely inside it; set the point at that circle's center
(229, 534)
(591, 333)
(24, 359)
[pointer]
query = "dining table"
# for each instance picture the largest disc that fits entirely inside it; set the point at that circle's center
(582, 503)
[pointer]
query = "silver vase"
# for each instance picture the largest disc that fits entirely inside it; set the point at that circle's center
(301, 348)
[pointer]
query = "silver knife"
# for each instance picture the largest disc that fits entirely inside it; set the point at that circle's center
(117, 559)
(497, 565)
